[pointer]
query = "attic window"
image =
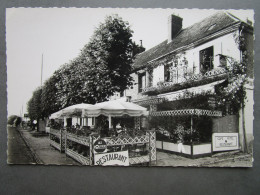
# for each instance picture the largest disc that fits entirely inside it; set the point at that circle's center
(212, 26)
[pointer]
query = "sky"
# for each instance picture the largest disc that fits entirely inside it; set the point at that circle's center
(58, 34)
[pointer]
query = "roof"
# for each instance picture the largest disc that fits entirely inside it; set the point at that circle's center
(189, 35)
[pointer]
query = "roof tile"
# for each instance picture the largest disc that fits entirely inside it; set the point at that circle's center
(187, 36)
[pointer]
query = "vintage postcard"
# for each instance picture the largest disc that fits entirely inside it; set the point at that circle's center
(130, 87)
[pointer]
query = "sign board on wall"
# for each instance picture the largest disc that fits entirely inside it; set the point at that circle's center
(113, 158)
(100, 146)
(225, 141)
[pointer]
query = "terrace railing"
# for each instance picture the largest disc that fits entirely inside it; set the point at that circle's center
(79, 147)
(186, 79)
(188, 112)
(57, 139)
(76, 143)
(148, 140)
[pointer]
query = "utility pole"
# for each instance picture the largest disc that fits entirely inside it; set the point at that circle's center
(41, 69)
(38, 119)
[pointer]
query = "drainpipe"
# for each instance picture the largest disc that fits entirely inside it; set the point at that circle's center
(191, 130)
(243, 127)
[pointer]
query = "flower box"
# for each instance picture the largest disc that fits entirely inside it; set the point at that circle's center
(190, 150)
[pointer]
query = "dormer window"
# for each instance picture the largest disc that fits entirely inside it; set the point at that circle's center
(211, 27)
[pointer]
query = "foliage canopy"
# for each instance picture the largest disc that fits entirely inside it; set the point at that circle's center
(102, 68)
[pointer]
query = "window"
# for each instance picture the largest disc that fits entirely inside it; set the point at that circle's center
(212, 26)
(80, 122)
(206, 59)
(150, 78)
(222, 60)
(167, 74)
(69, 122)
(141, 82)
(93, 120)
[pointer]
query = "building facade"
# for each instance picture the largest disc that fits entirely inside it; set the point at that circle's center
(187, 81)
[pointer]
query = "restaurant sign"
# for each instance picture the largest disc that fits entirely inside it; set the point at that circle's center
(100, 146)
(113, 158)
(225, 141)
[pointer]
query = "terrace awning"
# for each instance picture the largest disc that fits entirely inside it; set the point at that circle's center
(56, 115)
(74, 110)
(114, 108)
(176, 95)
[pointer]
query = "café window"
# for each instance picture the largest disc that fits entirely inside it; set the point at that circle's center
(206, 59)
(69, 122)
(81, 122)
(141, 82)
(93, 121)
(122, 93)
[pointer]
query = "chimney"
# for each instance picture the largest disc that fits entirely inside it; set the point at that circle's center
(174, 26)
(141, 43)
(249, 22)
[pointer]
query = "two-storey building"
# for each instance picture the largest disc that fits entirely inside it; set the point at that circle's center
(186, 83)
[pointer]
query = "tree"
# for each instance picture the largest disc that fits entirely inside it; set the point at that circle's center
(49, 100)
(34, 107)
(17, 121)
(108, 57)
(242, 39)
(14, 120)
(71, 87)
(102, 68)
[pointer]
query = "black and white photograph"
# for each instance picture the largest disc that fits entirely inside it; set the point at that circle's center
(130, 87)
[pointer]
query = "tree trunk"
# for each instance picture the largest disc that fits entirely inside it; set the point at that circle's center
(38, 121)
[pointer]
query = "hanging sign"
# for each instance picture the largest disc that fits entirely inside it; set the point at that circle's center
(212, 102)
(225, 141)
(100, 146)
(113, 158)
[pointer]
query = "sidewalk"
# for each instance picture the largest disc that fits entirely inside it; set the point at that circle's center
(44, 153)
(224, 159)
(47, 155)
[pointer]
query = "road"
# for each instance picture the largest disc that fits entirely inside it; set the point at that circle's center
(18, 151)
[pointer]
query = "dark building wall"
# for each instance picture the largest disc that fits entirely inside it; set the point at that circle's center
(226, 124)
(249, 41)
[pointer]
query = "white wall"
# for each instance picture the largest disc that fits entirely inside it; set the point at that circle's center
(90, 122)
(224, 45)
(201, 149)
(248, 117)
(75, 121)
(158, 75)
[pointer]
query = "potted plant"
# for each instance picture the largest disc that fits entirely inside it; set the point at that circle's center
(179, 132)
